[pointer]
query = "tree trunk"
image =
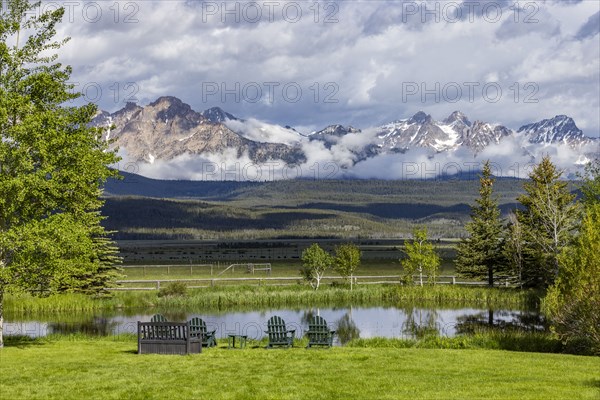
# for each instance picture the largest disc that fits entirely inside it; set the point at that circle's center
(490, 276)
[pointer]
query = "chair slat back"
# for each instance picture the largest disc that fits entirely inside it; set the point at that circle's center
(158, 318)
(319, 332)
(164, 331)
(318, 327)
(197, 327)
(276, 329)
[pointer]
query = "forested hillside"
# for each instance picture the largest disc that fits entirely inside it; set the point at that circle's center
(141, 208)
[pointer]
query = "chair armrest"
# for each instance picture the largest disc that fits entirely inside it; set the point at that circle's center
(293, 332)
(212, 333)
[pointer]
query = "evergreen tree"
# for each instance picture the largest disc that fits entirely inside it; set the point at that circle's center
(548, 219)
(421, 258)
(479, 255)
(52, 166)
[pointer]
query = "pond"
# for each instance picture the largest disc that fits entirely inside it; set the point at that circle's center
(349, 322)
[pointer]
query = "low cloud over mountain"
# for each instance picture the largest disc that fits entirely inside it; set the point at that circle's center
(168, 139)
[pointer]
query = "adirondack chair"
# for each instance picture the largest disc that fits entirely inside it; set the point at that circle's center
(319, 333)
(158, 318)
(162, 331)
(198, 328)
(279, 335)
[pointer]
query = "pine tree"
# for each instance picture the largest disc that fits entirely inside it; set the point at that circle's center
(549, 218)
(52, 166)
(479, 255)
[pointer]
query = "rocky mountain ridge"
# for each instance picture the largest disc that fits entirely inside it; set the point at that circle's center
(168, 128)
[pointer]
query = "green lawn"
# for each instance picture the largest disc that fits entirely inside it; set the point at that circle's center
(110, 369)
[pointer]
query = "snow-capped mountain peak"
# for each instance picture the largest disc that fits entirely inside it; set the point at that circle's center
(420, 118)
(336, 130)
(457, 118)
(216, 115)
(560, 129)
(421, 130)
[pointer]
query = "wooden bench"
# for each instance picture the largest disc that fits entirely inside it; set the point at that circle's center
(167, 338)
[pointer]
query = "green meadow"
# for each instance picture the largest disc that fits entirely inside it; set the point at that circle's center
(109, 368)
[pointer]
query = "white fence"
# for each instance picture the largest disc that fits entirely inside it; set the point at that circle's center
(155, 284)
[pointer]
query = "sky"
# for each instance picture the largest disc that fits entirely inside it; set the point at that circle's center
(363, 63)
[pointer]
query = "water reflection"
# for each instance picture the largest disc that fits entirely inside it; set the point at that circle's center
(501, 320)
(347, 329)
(96, 326)
(349, 322)
(420, 323)
(308, 315)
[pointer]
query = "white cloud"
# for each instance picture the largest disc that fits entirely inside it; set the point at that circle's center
(374, 49)
(263, 132)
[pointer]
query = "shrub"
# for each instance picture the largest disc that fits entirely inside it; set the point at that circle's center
(173, 289)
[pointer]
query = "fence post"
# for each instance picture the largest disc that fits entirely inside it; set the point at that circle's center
(158, 285)
(454, 280)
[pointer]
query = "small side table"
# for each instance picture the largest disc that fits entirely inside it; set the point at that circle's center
(231, 341)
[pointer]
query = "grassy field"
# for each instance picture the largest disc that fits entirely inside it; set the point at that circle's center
(76, 367)
(278, 269)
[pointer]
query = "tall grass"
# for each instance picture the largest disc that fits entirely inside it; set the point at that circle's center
(25, 303)
(471, 296)
(229, 297)
(539, 342)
